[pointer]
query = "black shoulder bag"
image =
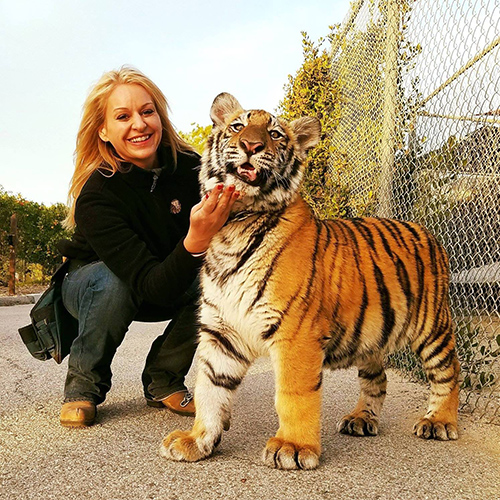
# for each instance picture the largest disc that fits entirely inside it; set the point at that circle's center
(52, 328)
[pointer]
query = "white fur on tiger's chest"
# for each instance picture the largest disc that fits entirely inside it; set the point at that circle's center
(238, 301)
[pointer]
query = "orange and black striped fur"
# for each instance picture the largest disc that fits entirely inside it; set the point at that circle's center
(311, 294)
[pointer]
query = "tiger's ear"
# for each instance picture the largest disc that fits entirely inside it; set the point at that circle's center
(224, 106)
(307, 130)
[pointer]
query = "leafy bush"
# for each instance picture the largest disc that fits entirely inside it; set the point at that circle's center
(313, 92)
(197, 137)
(39, 229)
(477, 358)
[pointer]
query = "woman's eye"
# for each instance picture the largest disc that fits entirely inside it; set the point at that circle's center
(148, 111)
(121, 117)
(275, 134)
(236, 127)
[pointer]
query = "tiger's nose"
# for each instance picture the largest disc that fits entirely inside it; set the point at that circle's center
(252, 148)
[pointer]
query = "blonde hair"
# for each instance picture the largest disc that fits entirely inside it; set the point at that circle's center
(92, 152)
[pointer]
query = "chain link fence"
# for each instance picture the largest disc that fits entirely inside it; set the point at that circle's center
(418, 138)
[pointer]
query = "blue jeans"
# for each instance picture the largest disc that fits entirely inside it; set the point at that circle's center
(105, 307)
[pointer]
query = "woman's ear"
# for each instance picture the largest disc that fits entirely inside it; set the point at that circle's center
(102, 134)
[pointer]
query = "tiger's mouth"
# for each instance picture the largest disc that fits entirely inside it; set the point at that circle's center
(247, 173)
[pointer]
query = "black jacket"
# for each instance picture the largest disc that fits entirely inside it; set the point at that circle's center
(135, 222)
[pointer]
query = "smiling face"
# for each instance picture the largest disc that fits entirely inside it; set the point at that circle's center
(132, 125)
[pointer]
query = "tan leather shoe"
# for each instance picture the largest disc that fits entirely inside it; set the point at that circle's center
(78, 414)
(180, 402)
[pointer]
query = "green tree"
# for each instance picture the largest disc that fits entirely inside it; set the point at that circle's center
(39, 230)
(313, 92)
(197, 137)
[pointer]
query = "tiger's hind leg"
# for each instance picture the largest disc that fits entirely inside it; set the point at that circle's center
(441, 365)
(364, 419)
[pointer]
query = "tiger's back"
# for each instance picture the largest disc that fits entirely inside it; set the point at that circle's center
(310, 294)
(390, 283)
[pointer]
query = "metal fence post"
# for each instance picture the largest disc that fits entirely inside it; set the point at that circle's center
(12, 254)
(389, 110)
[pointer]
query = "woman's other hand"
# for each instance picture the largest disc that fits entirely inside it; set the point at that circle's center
(208, 216)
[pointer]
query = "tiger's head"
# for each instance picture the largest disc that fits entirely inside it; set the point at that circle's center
(260, 154)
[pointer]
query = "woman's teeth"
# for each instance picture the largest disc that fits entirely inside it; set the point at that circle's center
(140, 139)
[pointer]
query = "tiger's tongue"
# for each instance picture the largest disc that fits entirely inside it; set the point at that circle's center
(247, 171)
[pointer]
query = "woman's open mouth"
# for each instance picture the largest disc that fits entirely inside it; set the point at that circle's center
(140, 139)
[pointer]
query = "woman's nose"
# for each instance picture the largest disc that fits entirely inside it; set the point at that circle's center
(138, 122)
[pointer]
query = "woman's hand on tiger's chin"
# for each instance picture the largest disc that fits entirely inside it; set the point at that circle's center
(208, 216)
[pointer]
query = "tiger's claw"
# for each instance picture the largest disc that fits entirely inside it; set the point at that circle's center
(280, 454)
(427, 428)
(182, 446)
(358, 425)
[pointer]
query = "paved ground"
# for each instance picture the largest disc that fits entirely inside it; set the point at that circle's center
(118, 457)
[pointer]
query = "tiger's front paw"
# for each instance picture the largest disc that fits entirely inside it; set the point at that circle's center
(281, 454)
(359, 424)
(184, 447)
(428, 428)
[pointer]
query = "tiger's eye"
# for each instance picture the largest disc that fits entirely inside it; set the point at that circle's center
(275, 134)
(236, 127)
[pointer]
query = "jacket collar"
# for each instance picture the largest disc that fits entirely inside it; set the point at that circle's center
(135, 175)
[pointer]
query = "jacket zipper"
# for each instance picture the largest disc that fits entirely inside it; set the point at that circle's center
(155, 180)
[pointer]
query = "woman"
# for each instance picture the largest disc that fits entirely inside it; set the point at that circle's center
(137, 245)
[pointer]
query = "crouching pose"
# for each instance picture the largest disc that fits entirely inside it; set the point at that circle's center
(140, 232)
(311, 294)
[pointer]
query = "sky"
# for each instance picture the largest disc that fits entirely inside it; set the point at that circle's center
(53, 51)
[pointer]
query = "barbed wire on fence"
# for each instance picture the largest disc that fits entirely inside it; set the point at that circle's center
(419, 139)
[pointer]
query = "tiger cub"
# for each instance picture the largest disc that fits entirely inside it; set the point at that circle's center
(311, 294)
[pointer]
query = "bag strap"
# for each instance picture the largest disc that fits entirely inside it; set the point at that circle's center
(60, 272)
